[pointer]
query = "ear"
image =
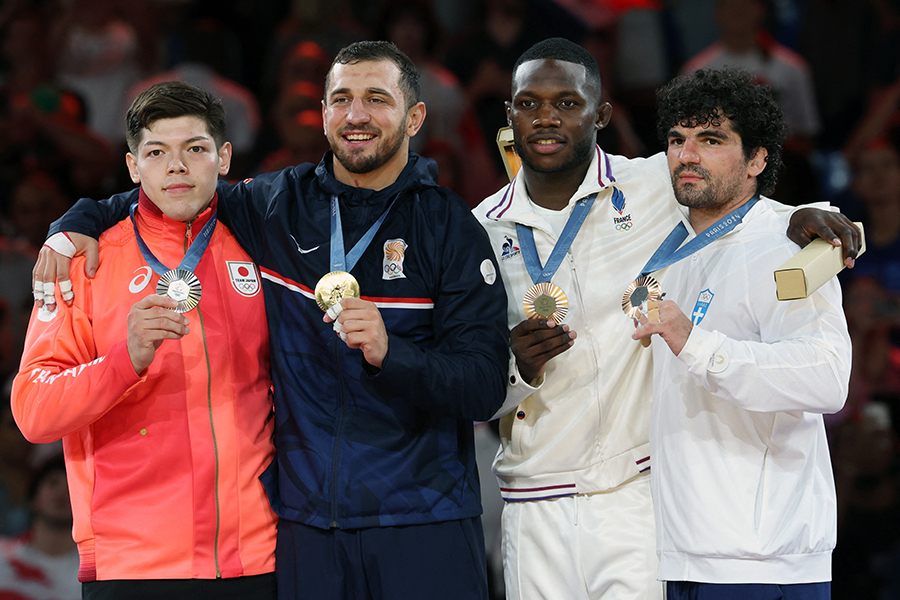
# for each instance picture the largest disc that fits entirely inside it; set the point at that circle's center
(324, 119)
(224, 158)
(415, 116)
(757, 164)
(508, 112)
(131, 162)
(604, 113)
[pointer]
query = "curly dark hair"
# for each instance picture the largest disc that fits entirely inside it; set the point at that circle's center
(709, 96)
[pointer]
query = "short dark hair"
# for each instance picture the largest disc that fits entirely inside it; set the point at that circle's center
(170, 100)
(709, 96)
(378, 51)
(558, 48)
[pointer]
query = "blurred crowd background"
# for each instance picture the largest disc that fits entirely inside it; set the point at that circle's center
(70, 68)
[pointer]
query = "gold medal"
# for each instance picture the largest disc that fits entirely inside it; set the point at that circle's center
(182, 286)
(545, 301)
(334, 287)
(642, 290)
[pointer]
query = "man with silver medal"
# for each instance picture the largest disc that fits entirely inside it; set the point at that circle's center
(149, 409)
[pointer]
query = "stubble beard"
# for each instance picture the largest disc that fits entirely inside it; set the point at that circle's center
(716, 193)
(360, 162)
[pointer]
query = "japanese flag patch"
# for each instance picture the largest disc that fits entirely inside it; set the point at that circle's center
(244, 277)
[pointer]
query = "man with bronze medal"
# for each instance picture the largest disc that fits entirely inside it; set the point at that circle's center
(574, 462)
(159, 385)
(743, 491)
(375, 477)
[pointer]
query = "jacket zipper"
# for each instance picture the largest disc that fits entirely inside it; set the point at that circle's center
(338, 435)
(212, 427)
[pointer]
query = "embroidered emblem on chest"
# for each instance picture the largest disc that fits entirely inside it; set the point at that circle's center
(508, 250)
(702, 306)
(392, 264)
(244, 277)
(623, 222)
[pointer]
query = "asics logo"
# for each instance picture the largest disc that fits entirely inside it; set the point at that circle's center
(140, 280)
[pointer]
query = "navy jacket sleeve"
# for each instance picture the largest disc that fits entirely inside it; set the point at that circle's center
(242, 207)
(91, 218)
(464, 374)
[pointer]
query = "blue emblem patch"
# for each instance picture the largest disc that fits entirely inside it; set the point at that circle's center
(618, 200)
(703, 302)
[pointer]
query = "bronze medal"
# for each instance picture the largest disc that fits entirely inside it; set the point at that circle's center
(182, 286)
(334, 287)
(642, 290)
(545, 301)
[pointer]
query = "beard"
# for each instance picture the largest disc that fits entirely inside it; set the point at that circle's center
(581, 153)
(361, 162)
(717, 192)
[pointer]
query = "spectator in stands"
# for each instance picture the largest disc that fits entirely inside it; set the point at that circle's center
(412, 27)
(297, 118)
(744, 43)
(872, 288)
(42, 564)
(15, 472)
(42, 124)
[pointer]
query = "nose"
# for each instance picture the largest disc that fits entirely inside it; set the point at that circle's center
(176, 165)
(688, 153)
(357, 112)
(546, 116)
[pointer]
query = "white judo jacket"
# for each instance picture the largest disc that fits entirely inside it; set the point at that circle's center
(584, 428)
(743, 489)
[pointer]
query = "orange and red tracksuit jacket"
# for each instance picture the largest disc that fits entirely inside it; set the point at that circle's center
(163, 467)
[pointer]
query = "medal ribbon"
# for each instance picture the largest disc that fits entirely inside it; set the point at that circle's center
(191, 257)
(669, 252)
(340, 262)
(529, 249)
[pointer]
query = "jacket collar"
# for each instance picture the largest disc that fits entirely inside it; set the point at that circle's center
(153, 221)
(418, 174)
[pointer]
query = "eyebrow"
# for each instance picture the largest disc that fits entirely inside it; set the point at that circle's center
(559, 94)
(196, 138)
(370, 90)
(705, 133)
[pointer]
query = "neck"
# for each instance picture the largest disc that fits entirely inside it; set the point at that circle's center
(378, 179)
(554, 190)
(702, 218)
(52, 539)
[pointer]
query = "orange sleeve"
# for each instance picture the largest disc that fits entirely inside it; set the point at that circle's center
(62, 384)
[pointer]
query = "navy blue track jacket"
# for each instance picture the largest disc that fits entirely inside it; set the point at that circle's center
(358, 447)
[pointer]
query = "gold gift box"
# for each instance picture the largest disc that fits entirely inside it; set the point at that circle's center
(810, 268)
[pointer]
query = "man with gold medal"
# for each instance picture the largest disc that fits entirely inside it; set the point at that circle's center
(574, 461)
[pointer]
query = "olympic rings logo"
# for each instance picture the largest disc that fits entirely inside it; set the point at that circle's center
(392, 268)
(247, 287)
(625, 226)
